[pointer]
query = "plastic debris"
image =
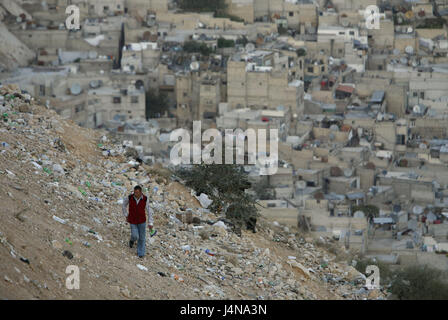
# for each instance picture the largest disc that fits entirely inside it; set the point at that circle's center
(59, 220)
(143, 268)
(204, 200)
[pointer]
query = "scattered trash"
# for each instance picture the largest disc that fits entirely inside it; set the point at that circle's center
(204, 200)
(143, 268)
(25, 260)
(46, 170)
(86, 244)
(10, 173)
(176, 277)
(186, 248)
(58, 168)
(207, 251)
(162, 274)
(67, 254)
(59, 220)
(68, 241)
(82, 191)
(220, 224)
(38, 166)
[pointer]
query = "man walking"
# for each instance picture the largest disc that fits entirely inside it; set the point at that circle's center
(138, 205)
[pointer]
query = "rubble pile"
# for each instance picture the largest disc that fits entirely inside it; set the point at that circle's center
(62, 187)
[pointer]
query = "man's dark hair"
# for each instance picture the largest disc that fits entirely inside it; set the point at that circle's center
(137, 188)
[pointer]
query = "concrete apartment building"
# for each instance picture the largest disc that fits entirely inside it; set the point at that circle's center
(258, 85)
(297, 14)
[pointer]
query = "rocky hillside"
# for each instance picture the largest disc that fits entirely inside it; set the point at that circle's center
(60, 189)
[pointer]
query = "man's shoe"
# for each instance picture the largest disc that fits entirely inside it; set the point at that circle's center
(141, 257)
(131, 243)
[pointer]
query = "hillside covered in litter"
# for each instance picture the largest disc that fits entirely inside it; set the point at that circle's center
(61, 188)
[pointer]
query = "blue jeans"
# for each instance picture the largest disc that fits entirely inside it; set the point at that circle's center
(138, 232)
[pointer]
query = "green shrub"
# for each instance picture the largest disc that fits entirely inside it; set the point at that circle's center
(420, 283)
(225, 184)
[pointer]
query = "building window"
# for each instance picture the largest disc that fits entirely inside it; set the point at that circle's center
(117, 99)
(415, 94)
(323, 69)
(106, 8)
(291, 14)
(342, 33)
(134, 99)
(352, 33)
(42, 90)
(310, 69)
(422, 95)
(185, 94)
(400, 139)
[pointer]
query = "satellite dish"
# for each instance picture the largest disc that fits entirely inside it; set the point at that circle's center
(139, 84)
(359, 214)
(417, 210)
(348, 172)
(250, 47)
(424, 61)
(334, 127)
(344, 23)
(410, 30)
(301, 184)
(93, 54)
(194, 66)
(404, 61)
(416, 109)
(409, 50)
(396, 52)
(94, 84)
(75, 89)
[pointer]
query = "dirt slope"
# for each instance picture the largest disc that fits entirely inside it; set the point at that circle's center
(50, 167)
